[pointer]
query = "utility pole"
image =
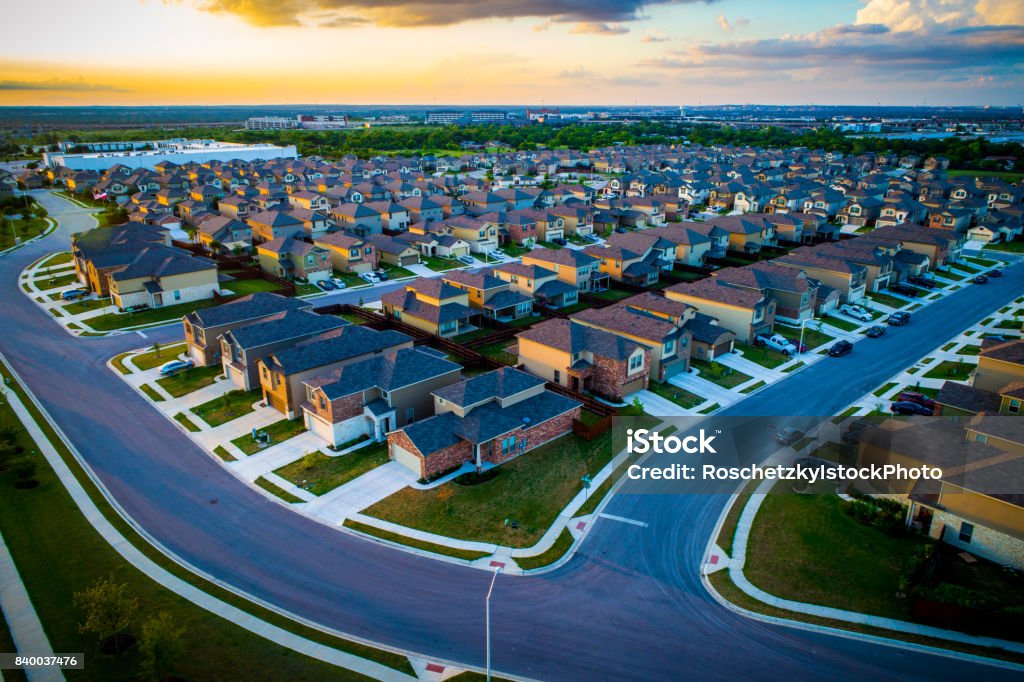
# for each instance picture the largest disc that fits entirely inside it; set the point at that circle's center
(488, 618)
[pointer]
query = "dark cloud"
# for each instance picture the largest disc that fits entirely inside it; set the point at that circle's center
(57, 85)
(436, 12)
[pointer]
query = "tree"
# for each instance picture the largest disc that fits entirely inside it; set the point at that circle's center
(108, 610)
(156, 349)
(160, 647)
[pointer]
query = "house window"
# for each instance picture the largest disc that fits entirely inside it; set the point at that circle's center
(508, 444)
(636, 363)
(177, 295)
(557, 377)
(1013, 407)
(410, 415)
(670, 348)
(354, 253)
(966, 532)
(980, 438)
(323, 403)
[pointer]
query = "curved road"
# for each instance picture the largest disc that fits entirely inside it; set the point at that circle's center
(629, 605)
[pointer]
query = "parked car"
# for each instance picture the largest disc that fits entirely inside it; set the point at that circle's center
(981, 279)
(800, 347)
(175, 366)
(592, 238)
(621, 230)
(909, 408)
(775, 342)
(338, 283)
(468, 260)
(856, 312)
(370, 277)
(854, 430)
(921, 281)
(382, 275)
(919, 398)
(325, 285)
(875, 331)
(899, 318)
(905, 290)
(496, 255)
(559, 241)
(73, 294)
(788, 435)
(840, 348)
(996, 272)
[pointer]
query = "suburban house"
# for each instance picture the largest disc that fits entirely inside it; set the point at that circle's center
(746, 312)
(997, 385)
(667, 341)
(432, 305)
(229, 233)
(484, 421)
(572, 266)
(97, 251)
(795, 295)
(358, 218)
(846, 277)
(540, 283)
(161, 275)
(289, 257)
(584, 358)
(394, 251)
(282, 373)
(270, 225)
(491, 295)
(348, 253)
(204, 326)
(692, 246)
(482, 236)
(374, 396)
(708, 339)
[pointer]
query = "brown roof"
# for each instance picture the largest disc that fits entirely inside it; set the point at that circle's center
(719, 292)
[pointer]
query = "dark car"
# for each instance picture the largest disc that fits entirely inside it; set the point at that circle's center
(788, 435)
(981, 279)
(905, 290)
(919, 398)
(995, 273)
(800, 347)
(875, 331)
(621, 230)
(854, 430)
(840, 348)
(383, 275)
(909, 408)
(559, 241)
(73, 294)
(922, 282)
(899, 318)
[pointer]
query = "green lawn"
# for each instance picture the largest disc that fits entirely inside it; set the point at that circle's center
(1016, 246)
(1009, 324)
(967, 268)
(879, 392)
(548, 245)
(47, 283)
(969, 350)
(794, 367)
(153, 395)
(56, 259)
(397, 271)
(923, 390)
(497, 350)
(276, 490)
(812, 337)
(949, 275)
(190, 380)
(710, 408)
(320, 474)
(243, 287)
(840, 323)
(983, 262)
(679, 396)
(278, 432)
(475, 334)
(950, 369)
(887, 299)
(112, 321)
(612, 295)
(575, 307)
(227, 407)
(557, 550)
(531, 489)
(752, 387)
(1010, 176)
(766, 357)
(26, 229)
(79, 307)
(183, 419)
(514, 250)
(59, 553)
(155, 358)
(223, 453)
(467, 554)
(440, 264)
(717, 373)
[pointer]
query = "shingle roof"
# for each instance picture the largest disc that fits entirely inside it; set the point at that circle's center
(389, 371)
(501, 383)
(335, 346)
(572, 337)
(289, 324)
(249, 307)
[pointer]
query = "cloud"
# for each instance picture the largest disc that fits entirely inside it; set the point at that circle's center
(57, 85)
(599, 28)
(654, 38)
(728, 27)
(408, 13)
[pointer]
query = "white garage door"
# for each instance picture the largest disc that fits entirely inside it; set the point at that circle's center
(407, 459)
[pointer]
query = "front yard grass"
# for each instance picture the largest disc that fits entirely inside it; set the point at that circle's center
(56, 259)
(717, 373)
(242, 287)
(79, 307)
(320, 474)
(679, 396)
(183, 419)
(753, 387)
(227, 407)
(969, 350)
(766, 357)
(888, 300)
(531, 489)
(813, 338)
(278, 432)
(950, 369)
(983, 262)
(884, 389)
(190, 380)
(467, 554)
(552, 554)
(223, 453)
(47, 283)
(1016, 246)
(112, 321)
(612, 294)
(156, 357)
(438, 264)
(839, 323)
(276, 490)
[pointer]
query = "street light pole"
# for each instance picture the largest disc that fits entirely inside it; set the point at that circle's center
(488, 624)
(802, 325)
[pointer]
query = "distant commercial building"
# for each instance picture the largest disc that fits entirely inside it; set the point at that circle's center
(305, 121)
(541, 115)
(450, 117)
(443, 117)
(147, 154)
(271, 123)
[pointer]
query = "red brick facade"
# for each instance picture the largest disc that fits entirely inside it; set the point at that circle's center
(611, 378)
(439, 462)
(533, 436)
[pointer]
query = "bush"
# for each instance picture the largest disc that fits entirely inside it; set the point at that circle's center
(958, 595)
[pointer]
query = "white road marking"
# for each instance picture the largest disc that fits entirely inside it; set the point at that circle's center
(141, 334)
(623, 519)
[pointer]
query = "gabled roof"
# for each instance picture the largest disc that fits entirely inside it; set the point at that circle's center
(388, 371)
(287, 324)
(337, 345)
(572, 337)
(499, 384)
(249, 307)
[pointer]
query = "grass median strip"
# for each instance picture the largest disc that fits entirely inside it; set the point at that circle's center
(467, 554)
(151, 393)
(223, 453)
(278, 433)
(276, 490)
(158, 356)
(753, 387)
(183, 419)
(190, 380)
(552, 554)
(320, 474)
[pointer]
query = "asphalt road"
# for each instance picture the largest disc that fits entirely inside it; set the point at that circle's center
(629, 605)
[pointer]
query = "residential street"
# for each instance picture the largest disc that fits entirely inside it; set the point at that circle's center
(629, 605)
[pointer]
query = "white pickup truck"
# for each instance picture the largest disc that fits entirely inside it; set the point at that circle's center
(776, 342)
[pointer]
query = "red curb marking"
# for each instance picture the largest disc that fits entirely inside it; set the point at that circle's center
(497, 564)
(581, 525)
(435, 668)
(714, 559)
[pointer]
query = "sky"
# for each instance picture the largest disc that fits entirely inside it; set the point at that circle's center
(489, 52)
